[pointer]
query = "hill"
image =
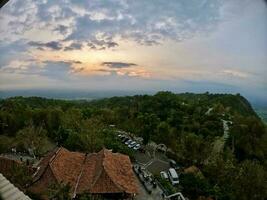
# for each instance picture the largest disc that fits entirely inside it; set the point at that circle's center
(219, 133)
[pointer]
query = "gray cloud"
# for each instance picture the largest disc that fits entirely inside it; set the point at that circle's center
(146, 22)
(11, 51)
(54, 45)
(50, 69)
(73, 46)
(56, 69)
(76, 62)
(101, 44)
(118, 64)
(61, 29)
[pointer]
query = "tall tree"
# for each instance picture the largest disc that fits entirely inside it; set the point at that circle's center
(251, 181)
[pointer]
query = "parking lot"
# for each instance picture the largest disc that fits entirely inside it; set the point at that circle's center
(150, 162)
(155, 194)
(157, 166)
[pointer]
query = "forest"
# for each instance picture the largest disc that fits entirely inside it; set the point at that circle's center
(190, 125)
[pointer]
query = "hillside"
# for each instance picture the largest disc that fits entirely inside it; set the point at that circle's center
(236, 103)
(192, 126)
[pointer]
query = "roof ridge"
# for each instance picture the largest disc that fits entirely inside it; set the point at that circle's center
(97, 177)
(51, 161)
(111, 178)
(80, 175)
(54, 155)
(46, 167)
(104, 169)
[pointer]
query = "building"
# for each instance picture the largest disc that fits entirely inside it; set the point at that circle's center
(104, 173)
(9, 192)
(3, 2)
(7, 166)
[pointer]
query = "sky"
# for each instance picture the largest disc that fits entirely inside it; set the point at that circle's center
(178, 45)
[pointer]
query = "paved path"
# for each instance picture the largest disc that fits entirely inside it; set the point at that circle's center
(143, 195)
(218, 144)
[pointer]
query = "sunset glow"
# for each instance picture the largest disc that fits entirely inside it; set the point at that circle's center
(148, 45)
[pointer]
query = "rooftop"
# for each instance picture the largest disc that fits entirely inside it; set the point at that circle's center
(9, 192)
(96, 173)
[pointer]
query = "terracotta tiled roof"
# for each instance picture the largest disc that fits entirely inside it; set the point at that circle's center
(44, 164)
(66, 166)
(7, 166)
(107, 172)
(98, 173)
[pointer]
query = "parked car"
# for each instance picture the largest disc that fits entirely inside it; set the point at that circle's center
(128, 142)
(122, 137)
(132, 144)
(164, 175)
(173, 164)
(137, 147)
(174, 178)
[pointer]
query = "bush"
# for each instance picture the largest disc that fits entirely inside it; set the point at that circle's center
(168, 187)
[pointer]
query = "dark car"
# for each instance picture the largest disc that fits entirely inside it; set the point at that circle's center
(125, 140)
(173, 164)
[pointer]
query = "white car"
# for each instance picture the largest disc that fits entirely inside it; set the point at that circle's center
(174, 178)
(128, 142)
(132, 144)
(164, 175)
(137, 146)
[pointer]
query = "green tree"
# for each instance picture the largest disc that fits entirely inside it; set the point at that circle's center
(91, 135)
(6, 143)
(72, 119)
(221, 170)
(33, 138)
(249, 137)
(195, 186)
(147, 123)
(193, 149)
(164, 134)
(250, 182)
(21, 175)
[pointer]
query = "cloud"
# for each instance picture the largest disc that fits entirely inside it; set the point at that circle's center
(56, 69)
(102, 24)
(76, 62)
(120, 28)
(53, 45)
(146, 22)
(11, 51)
(48, 68)
(96, 44)
(118, 64)
(111, 69)
(61, 29)
(73, 46)
(132, 72)
(111, 44)
(235, 73)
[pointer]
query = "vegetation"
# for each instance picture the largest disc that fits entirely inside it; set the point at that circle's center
(189, 124)
(20, 175)
(169, 188)
(86, 196)
(59, 191)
